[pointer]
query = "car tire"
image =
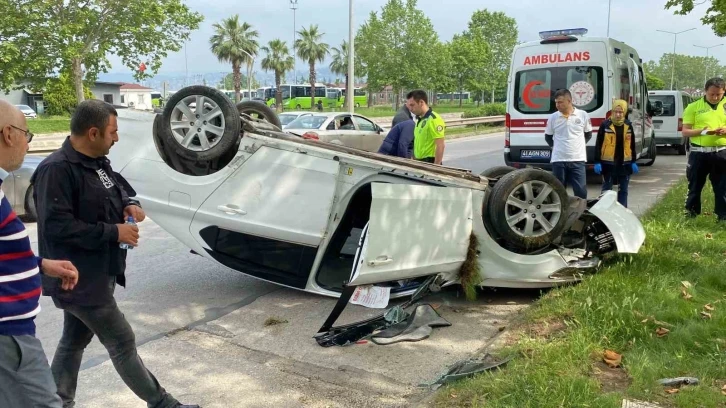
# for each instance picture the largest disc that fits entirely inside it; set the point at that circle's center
(298, 107)
(31, 213)
(511, 193)
(221, 130)
(652, 152)
(357, 105)
(258, 110)
(497, 171)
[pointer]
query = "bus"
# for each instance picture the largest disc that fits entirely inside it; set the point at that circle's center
(244, 94)
(267, 94)
(298, 96)
(465, 97)
(360, 97)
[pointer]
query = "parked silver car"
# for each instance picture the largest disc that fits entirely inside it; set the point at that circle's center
(287, 117)
(19, 191)
(27, 111)
(344, 128)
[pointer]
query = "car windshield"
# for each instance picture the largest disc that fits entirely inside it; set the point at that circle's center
(534, 89)
(307, 122)
(669, 103)
(23, 107)
(286, 118)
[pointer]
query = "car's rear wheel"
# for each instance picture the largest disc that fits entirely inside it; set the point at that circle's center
(527, 208)
(200, 124)
(259, 111)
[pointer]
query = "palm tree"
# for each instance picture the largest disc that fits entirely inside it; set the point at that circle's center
(280, 61)
(237, 44)
(339, 65)
(311, 49)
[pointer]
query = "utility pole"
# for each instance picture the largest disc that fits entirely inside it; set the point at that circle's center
(705, 62)
(293, 6)
(673, 62)
(609, 4)
(351, 52)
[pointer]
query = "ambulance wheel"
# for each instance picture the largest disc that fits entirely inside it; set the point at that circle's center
(200, 124)
(527, 208)
(652, 152)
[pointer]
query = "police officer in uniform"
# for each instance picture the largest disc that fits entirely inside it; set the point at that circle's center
(704, 124)
(428, 139)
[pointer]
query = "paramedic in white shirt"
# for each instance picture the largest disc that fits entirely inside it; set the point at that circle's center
(568, 131)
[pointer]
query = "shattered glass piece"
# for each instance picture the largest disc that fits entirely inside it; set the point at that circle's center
(395, 315)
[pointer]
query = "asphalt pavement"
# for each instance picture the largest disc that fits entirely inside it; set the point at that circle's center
(200, 326)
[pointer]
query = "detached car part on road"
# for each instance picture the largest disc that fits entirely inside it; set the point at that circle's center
(322, 217)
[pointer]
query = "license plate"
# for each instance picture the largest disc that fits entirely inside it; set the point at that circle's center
(536, 154)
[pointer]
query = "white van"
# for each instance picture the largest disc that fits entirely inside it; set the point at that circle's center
(595, 70)
(668, 123)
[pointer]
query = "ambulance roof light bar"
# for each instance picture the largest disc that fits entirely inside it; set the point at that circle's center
(546, 35)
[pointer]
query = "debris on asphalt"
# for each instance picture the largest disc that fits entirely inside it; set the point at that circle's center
(467, 368)
(272, 321)
(670, 382)
(418, 326)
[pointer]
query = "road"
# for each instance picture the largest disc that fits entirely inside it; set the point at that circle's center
(200, 327)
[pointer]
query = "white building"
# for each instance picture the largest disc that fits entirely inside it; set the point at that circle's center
(136, 96)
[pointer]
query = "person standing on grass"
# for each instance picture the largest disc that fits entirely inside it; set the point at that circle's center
(25, 377)
(568, 130)
(614, 151)
(704, 124)
(428, 139)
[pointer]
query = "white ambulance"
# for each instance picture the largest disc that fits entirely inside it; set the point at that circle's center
(595, 70)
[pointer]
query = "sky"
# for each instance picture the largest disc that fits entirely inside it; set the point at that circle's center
(633, 24)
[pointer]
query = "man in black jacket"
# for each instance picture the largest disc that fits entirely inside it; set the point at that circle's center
(81, 209)
(402, 115)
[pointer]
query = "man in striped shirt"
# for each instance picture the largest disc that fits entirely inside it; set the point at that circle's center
(25, 377)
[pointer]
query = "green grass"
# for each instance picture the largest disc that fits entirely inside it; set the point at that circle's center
(620, 308)
(49, 124)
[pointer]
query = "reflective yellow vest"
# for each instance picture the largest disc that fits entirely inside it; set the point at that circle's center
(607, 154)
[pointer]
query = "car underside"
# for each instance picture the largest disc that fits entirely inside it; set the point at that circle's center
(323, 217)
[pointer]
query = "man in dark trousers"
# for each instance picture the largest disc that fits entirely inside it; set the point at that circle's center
(81, 211)
(399, 140)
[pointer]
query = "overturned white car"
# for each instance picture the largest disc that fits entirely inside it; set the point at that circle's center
(320, 217)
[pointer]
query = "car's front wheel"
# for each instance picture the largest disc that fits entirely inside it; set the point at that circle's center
(527, 208)
(259, 111)
(200, 124)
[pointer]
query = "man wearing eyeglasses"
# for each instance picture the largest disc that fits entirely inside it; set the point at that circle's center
(25, 377)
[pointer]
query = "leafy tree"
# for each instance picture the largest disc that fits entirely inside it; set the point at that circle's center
(236, 43)
(689, 72)
(500, 32)
(399, 47)
(75, 36)
(60, 95)
(654, 82)
(339, 65)
(470, 53)
(279, 61)
(715, 15)
(311, 48)
(228, 81)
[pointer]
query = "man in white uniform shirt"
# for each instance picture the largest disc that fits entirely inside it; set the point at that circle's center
(568, 131)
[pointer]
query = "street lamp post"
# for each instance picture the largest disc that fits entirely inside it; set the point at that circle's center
(293, 6)
(705, 62)
(609, 4)
(249, 71)
(351, 52)
(673, 62)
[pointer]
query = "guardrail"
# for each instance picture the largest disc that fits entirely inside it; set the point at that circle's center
(474, 121)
